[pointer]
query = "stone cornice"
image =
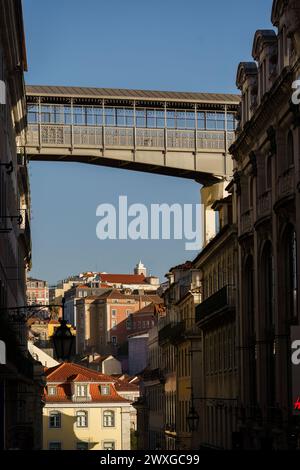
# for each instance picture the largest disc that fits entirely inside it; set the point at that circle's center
(273, 100)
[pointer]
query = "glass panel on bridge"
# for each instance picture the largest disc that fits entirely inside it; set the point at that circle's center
(124, 117)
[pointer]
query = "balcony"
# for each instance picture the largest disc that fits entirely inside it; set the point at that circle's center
(171, 333)
(286, 183)
(175, 332)
(219, 301)
(264, 204)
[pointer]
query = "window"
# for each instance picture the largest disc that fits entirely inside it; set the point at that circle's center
(114, 313)
(215, 121)
(81, 390)
(105, 389)
(114, 324)
(54, 445)
(108, 419)
(231, 122)
(108, 445)
(114, 340)
(128, 312)
(54, 419)
(81, 419)
(51, 390)
(82, 446)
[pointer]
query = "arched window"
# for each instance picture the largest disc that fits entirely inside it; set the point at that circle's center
(81, 419)
(54, 419)
(290, 149)
(108, 419)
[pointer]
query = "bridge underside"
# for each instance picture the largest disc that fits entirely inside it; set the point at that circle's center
(134, 165)
(182, 135)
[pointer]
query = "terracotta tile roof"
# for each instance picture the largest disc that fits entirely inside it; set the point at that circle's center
(67, 373)
(148, 309)
(123, 278)
(124, 386)
(64, 395)
(183, 267)
(116, 294)
(155, 299)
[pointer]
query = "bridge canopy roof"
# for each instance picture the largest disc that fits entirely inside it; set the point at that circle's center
(125, 94)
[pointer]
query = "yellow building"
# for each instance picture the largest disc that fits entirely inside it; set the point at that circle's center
(54, 324)
(186, 349)
(178, 338)
(83, 411)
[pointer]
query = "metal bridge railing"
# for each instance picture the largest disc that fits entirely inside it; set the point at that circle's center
(43, 135)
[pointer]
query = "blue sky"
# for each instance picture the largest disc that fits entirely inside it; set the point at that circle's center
(193, 45)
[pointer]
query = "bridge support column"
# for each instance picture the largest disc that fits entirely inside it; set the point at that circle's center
(210, 194)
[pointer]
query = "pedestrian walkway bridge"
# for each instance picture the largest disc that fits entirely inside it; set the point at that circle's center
(172, 133)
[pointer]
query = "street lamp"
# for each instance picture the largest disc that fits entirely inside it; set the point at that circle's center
(63, 339)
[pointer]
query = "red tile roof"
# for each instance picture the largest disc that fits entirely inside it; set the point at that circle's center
(123, 386)
(123, 278)
(67, 373)
(182, 267)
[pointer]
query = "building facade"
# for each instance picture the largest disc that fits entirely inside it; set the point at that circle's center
(77, 292)
(103, 322)
(83, 411)
(20, 377)
(266, 181)
(216, 385)
(178, 336)
(37, 292)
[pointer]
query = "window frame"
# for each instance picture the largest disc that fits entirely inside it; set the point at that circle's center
(52, 415)
(106, 414)
(84, 415)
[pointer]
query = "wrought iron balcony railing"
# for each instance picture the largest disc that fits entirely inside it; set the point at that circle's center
(223, 298)
(175, 332)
